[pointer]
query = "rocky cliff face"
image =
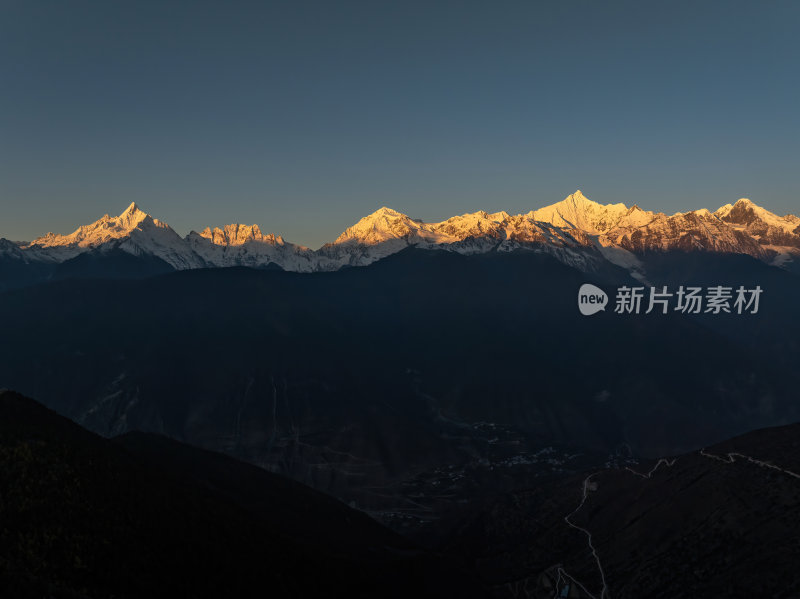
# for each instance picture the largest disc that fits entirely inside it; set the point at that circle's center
(761, 225)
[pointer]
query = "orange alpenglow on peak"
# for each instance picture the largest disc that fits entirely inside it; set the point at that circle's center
(574, 229)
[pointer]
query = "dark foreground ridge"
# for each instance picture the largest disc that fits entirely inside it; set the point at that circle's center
(144, 516)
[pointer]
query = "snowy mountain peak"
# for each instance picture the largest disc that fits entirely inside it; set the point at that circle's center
(576, 211)
(237, 234)
(132, 217)
(766, 226)
(132, 209)
(579, 197)
(382, 225)
(483, 215)
(576, 230)
(741, 204)
(133, 231)
(385, 211)
(101, 231)
(474, 224)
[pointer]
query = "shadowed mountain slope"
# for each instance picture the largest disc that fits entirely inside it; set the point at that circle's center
(145, 516)
(356, 381)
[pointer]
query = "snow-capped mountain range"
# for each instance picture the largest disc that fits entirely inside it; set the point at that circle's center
(576, 230)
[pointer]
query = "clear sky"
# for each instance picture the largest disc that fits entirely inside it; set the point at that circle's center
(304, 116)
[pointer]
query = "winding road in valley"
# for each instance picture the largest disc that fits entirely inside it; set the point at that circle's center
(588, 485)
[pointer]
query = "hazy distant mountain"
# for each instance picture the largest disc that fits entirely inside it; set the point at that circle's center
(577, 231)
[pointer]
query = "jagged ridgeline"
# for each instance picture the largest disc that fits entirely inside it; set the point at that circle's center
(577, 231)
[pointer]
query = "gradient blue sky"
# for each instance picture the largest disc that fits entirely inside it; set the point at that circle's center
(304, 116)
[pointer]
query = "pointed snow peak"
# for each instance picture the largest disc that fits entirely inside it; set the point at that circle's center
(131, 217)
(742, 210)
(741, 204)
(105, 229)
(131, 214)
(131, 209)
(385, 211)
(746, 213)
(381, 225)
(385, 214)
(580, 202)
(579, 212)
(578, 196)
